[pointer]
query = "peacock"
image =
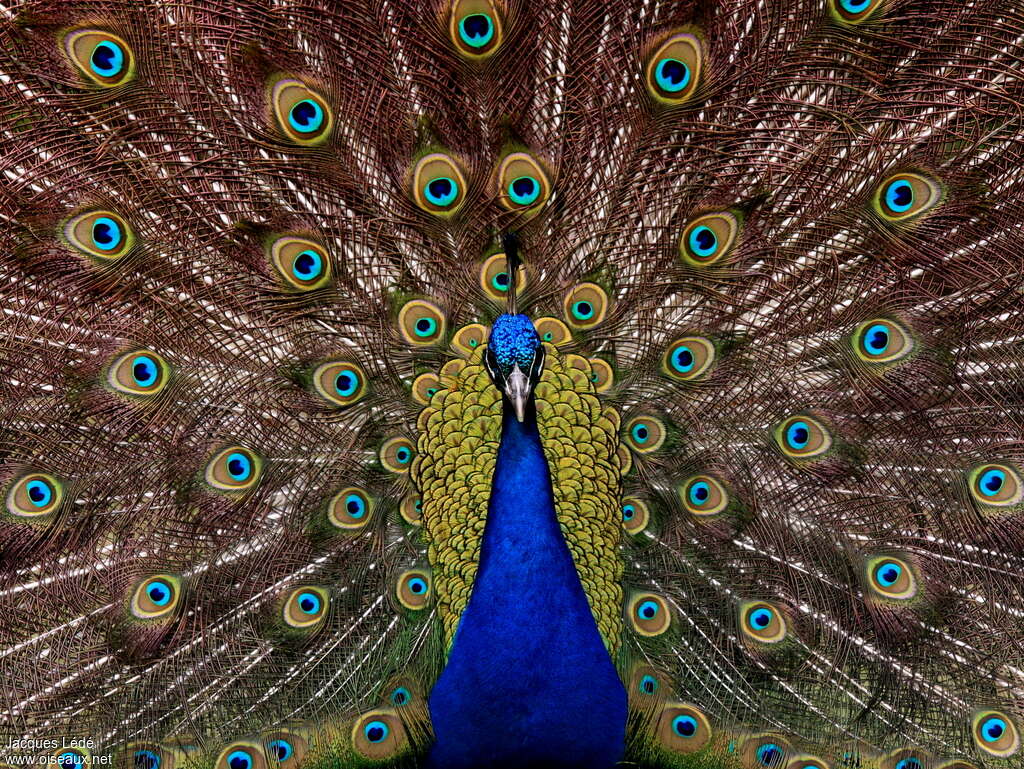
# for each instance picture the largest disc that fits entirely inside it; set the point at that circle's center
(512, 383)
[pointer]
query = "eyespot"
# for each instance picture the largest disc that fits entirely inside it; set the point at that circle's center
(762, 622)
(285, 750)
(602, 375)
(649, 614)
(438, 185)
(854, 11)
(995, 485)
(156, 597)
(881, 341)
(807, 762)
(673, 72)
(682, 728)
(553, 331)
(703, 495)
(70, 758)
(139, 372)
(305, 607)
(350, 509)
(150, 756)
(100, 234)
(411, 509)
(708, 239)
(475, 28)
(494, 278)
(910, 762)
(892, 578)
(522, 183)
(301, 263)
(302, 114)
(421, 323)
(645, 434)
(413, 589)
(234, 469)
(802, 437)
(396, 455)
(907, 195)
(469, 339)
(648, 685)
(104, 58)
(34, 495)
(996, 733)
(340, 382)
(242, 755)
(378, 734)
(765, 752)
(425, 386)
(585, 305)
(635, 515)
(689, 358)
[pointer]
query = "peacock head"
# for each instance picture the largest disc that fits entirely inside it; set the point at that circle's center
(514, 358)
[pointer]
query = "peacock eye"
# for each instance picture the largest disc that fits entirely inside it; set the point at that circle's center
(425, 386)
(881, 341)
(146, 759)
(703, 495)
(854, 11)
(411, 509)
(708, 239)
(688, 358)
(762, 622)
(302, 114)
(585, 305)
(396, 455)
(645, 434)
(802, 437)
(553, 331)
(103, 57)
(239, 759)
(905, 196)
(350, 509)
(139, 373)
(909, 763)
(156, 597)
(421, 322)
(996, 485)
(100, 234)
(673, 71)
(305, 607)
(301, 263)
(70, 759)
(378, 734)
(892, 578)
(635, 515)
(648, 685)
(494, 277)
(475, 28)
(683, 728)
(469, 338)
(33, 495)
(996, 734)
(340, 383)
(649, 614)
(234, 469)
(400, 697)
(522, 183)
(280, 750)
(438, 185)
(770, 755)
(413, 589)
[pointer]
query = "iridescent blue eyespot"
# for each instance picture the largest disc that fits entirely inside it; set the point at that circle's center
(672, 75)
(648, 684)
(146, 759)
(500, 281)
(684, 726)
(425, 327)
(401, 696)
(40, 493)
(107, 59)
(647, 610)
(888, 573)
(628, 511)
(682, 359)
(376, 731)
(770, 755)
(909, 763)
(991, 482)
(239, 466)
(899, 196)
(417, 586)
(476, 30)
(308, 265)
(309, 603)
(279, 749)
(70, 758)
(306, 116)
(854, 6)
(703, 241)
(106, 233)
(355, 505)
(582, 310)
(876, 339)
(699, 493)
(640, 433)
(144, 370)
(159, 592)
(239, 759)
(760, 618)
(441, 191)
(524, 190)
(403, 455)
(346, 382)
(993, 728)
(797, 435)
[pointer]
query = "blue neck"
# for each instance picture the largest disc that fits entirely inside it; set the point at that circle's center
(528, 680)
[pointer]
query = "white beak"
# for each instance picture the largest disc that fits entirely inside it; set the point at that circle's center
(517, 388)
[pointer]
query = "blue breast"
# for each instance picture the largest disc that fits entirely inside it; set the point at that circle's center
(528, 680)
